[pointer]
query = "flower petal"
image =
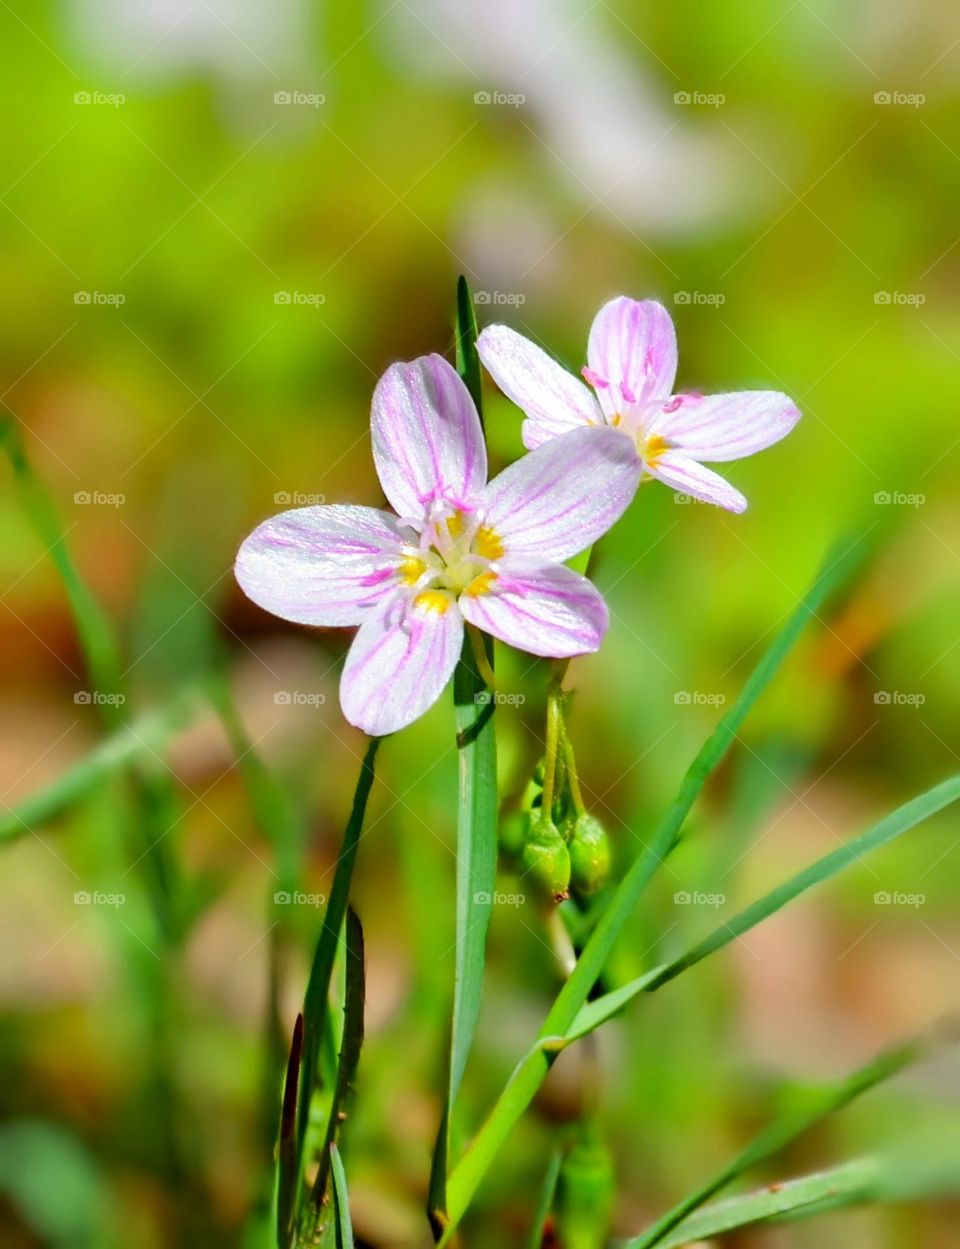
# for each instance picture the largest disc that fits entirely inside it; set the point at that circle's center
(427, 438)
(633, 348)
(725, 427)
(560, 498)
(691, 478)
(322, 565)
(553, 400)
(401, 659)
(545, 610)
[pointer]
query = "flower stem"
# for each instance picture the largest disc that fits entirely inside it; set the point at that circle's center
(479, 648)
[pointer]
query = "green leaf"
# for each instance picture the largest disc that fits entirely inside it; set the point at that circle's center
(780, 1134)
(476, 825)
(341, 1200)
(350, 1047)
(316, 1004)
(287, 1169)
(532, 1069)
(545, 1204)
(97, 636)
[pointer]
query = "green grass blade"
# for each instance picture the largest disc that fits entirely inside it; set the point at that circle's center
(316, 999)
(780, 1134)
(97, 636)
(533, 1068)
(341, 1200)
(476, 825)
(350, 1046)
(131, 744)
(545, 1204)
(287, 1172)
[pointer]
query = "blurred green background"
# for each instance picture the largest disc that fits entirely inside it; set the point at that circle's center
(219, 222)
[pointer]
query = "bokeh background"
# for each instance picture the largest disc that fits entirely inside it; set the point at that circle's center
(219, 222)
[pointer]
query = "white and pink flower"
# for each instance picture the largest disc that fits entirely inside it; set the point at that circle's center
(631, 367)
(458, 549)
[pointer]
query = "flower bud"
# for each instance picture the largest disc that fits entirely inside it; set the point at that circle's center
(589, 855)
(546, 859)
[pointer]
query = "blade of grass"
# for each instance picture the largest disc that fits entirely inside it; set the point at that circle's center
(97, 637)
(287, 1175)
(845, 1184)
(780, 1134)
(341, 1200)
(531, 1071)
(351, 1044)
(545, 1204)
(316, 999)
(476, 824)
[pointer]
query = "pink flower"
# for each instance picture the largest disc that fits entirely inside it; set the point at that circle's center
(458, 549)
(632, 363)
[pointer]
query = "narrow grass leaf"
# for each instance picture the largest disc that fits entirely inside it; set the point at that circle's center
(287, 1171)
(545, 1204)
(533, 1068)
(780, 1134)
(476, 824)
(341, 1200)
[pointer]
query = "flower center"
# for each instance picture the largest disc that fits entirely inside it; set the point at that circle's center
(456, 556)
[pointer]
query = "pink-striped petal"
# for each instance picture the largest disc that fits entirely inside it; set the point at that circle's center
(632, 353)
(563, 496)
(547, 610)
(689, 477)
(322, 565)
(725, 427)
(399, 663)
(553, 400)
(427, 439)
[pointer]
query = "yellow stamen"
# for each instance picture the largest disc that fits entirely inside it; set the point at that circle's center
(488, 543)
(433, 600)
(616, 419)
(481, 584)
(412, 569)
(654, 448)
(455, 524)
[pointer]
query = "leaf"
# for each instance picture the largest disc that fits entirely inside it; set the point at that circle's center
(780, 1134)
(97, 636)
(533, 1068)
(316, 1004)
(350, 1047)
(476, 825)
(341, 1200)
(287, 1170)
(545, 1204)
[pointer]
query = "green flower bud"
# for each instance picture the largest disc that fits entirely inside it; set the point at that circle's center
(589, 855)
(546, 860)
(585, 1193)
